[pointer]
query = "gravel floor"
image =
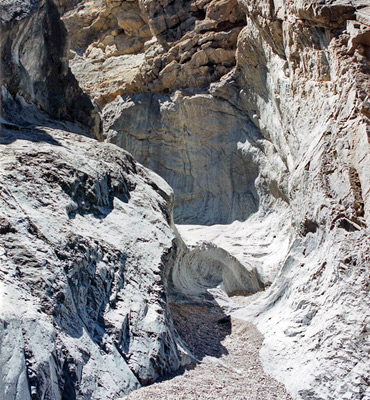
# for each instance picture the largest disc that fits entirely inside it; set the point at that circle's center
(229, 367)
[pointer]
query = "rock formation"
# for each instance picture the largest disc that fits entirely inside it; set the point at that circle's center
(149, 46)
(34, 65)
(271, 140)
(85, 240)
(257, 114)
(86, 234)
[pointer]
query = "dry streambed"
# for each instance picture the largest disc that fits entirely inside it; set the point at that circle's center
(229, 365)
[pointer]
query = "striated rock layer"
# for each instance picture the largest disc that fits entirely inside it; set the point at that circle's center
(268, 153)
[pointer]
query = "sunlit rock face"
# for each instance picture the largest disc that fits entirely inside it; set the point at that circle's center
(308, 85)
(86, 233)
(146, 46)
(152, 89)
(271, 140)
(85, 240)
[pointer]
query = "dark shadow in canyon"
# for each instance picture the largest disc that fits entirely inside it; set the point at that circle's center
(202, 329)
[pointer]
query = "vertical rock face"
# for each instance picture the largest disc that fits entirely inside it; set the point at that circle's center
(308, 84)
(34, 65)
(204, 132)
(272, 138)
(185, 46)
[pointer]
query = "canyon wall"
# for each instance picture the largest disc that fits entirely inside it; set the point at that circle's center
(34, 66)
(257, 113)
(86, 233)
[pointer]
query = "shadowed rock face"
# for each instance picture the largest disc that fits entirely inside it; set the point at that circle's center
(196, 143)
(34, 65)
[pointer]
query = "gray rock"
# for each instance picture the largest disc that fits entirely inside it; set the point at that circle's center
(270, 164)
(204, 147)
(85, 240)
(34, 65)
(295, 110)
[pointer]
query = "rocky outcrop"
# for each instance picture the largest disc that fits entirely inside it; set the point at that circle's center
(307, 88)
(86, 234)
(148, 46)
(85, 240)
(89, 254)
(187, 46)
(277, 147)
(34, 66)
(257, 112)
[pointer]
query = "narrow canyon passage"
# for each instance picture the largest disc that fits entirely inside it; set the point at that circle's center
(227, 349)
(185, 199)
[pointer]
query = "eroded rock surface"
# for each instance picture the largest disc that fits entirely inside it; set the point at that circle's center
(86, 234)
(85, 238)
(276, 147)
(212, 174)
(146, 46)
(34, 66)
(257, 112)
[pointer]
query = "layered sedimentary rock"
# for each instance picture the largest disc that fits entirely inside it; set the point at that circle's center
(273, 140)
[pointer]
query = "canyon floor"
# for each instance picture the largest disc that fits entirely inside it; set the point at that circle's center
(228, 364)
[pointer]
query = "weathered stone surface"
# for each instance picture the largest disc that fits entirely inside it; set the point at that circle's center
(86, 235)
(295, 111)
(175, 45)
(307, 101)
(34, 65)
(204, 147)
(270, 166)
(85, 240)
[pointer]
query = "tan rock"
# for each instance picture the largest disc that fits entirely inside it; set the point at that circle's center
(185, 34)
(129, 20)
